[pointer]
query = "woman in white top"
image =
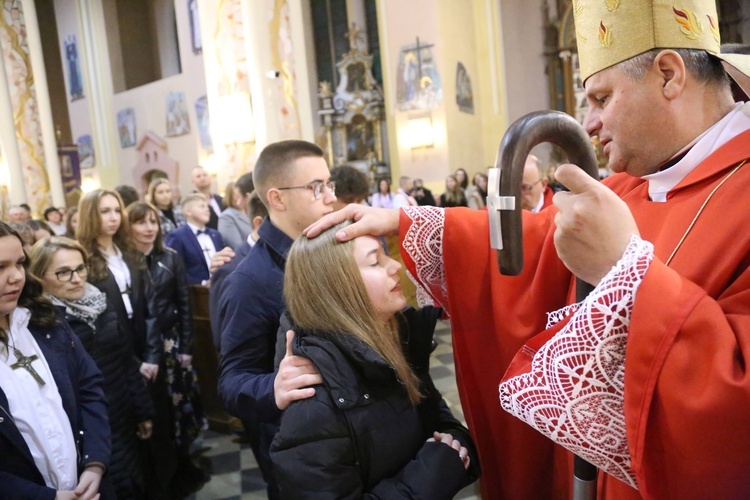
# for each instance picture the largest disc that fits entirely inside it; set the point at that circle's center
(54, 435)
(383, 198)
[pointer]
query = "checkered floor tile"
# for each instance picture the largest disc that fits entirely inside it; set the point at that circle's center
(235, 475)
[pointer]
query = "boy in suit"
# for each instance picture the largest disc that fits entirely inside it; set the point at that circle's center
(195, 241)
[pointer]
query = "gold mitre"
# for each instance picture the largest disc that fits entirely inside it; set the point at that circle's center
(611, 31)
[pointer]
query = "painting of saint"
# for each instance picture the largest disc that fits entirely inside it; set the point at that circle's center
(86, 155)
(464, 94)
(418, 84)
(178, 122)
(201, 113)
(75, 83)
(126, 127)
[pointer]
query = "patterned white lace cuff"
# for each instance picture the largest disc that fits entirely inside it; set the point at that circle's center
(574, 393)
(423, 243)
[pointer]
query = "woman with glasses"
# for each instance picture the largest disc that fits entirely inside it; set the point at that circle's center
(61, 265)
(376, 426)
(116, 269)
(175, 391)
(54, 435)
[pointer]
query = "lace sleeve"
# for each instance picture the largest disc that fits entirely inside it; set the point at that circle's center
(574, 393)
(423, 246)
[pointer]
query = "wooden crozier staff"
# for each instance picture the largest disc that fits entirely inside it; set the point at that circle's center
(504, 208)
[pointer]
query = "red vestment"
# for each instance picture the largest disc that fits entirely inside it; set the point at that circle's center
(687, 389)
(548, 194)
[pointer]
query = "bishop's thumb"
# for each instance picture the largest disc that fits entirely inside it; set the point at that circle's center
(574, 178)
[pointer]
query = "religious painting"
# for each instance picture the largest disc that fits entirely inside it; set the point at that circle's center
(418, 84)
(178, 122)
(356, 78)
(195, 27)
(360, 139)
(126, 127)
(204, 124)
(464, 94)
(86, 156)
(73, 67)
(69, 167)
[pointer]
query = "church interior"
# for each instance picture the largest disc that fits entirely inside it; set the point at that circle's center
(101, 93)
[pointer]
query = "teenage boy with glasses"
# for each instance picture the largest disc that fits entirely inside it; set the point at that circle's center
(293, 181)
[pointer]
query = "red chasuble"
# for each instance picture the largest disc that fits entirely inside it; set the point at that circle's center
(687, 389)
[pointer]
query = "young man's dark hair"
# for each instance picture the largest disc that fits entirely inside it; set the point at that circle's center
(128, 194)
(276, 160)
(352, 185)
(245, 184)
(48, 211)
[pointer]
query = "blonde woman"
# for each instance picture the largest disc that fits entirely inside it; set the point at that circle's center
(159, 194)
(454, 195)
(376, 425)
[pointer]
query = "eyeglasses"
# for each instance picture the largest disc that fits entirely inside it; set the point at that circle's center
(527, 187)
(82, 271)
(316, 187)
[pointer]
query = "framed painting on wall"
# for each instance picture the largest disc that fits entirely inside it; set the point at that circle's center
(178, 122)
(126, 127)
(86, 155)
(73, 66)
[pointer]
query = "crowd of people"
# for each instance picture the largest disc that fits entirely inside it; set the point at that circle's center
(118, 273)
(328, 368)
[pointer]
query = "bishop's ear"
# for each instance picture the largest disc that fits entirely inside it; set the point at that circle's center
(671, 70)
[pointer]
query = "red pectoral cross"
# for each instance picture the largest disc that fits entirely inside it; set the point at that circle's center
(25, 363)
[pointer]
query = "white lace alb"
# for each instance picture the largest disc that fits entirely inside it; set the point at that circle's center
(574, 393)
(423, 242)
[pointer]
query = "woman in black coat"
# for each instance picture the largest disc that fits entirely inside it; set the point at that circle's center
(116, 268)
(376, 426)
(61, 265)
(177, 399)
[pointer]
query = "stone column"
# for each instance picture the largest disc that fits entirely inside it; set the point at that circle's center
(8, 144)
(21, 95)
(44, 107)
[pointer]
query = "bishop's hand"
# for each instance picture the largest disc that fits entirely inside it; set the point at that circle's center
(594, 225)
(367, 221)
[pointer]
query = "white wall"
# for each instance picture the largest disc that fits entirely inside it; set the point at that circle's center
(149, 103)
(522, 32)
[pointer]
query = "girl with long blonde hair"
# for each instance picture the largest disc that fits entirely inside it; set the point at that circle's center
(376, 424)
(159, 194)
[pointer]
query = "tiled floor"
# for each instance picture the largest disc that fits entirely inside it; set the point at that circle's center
(235, 474)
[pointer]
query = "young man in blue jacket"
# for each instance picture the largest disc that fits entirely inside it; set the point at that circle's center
(293, 181)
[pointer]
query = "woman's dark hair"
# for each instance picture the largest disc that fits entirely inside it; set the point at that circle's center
(69, 231)
(352, 185)
(43, 313)
(464, 183)
(36, 225)
(48, 211)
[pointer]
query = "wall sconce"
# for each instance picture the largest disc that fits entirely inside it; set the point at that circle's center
(211, 164)
(421, 133)
(89, 185)
(235, 120)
